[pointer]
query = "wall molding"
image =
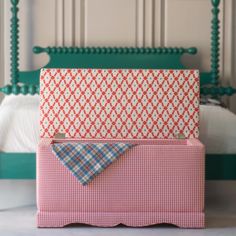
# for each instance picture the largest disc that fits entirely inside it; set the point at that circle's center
(60, 26)
(159, 23)
(227, 47)
(1, 44)
(6, 33)
(69, 23)
(232, 101)
(139, 23)
(149, 25)
(79, 25)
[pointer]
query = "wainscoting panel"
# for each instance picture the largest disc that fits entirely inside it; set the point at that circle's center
(1, 45)
(46, 27)
(110, 23)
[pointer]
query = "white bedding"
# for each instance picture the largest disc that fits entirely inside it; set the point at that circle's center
(19, 123)
(19, 126)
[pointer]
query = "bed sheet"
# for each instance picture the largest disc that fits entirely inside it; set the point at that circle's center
(19, 123)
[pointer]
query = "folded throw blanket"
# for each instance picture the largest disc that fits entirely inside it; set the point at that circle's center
(87, 160)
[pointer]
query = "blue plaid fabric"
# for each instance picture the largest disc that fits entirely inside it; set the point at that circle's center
(87, 160)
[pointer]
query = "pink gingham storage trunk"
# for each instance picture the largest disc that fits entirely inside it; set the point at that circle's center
(160, 180)
(157, 181)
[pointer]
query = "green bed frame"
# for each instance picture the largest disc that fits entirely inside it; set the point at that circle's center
(22, 165)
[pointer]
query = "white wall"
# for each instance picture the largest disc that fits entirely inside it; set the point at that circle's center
(115, 23)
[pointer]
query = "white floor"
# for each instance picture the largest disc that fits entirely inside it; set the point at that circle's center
(21, 221)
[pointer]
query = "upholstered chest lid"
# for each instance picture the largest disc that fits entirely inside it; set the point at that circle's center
(119, 103)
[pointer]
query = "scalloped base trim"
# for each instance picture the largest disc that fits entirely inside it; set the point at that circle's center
(111, 219)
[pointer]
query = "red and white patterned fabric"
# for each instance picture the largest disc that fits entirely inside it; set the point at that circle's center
(119, 103)
(157, 181)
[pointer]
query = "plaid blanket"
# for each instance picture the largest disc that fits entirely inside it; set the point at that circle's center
(87, 160)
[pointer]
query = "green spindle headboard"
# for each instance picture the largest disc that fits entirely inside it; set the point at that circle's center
(27, 82)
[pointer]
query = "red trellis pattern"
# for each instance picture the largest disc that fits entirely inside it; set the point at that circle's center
(119, 103)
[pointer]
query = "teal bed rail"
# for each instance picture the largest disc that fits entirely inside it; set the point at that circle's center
(23, 166)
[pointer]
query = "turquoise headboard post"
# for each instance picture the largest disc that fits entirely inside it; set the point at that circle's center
(212, 77)
(14, 49)
(14, 42)
(215, 42)
(210, 81)
(17, 86)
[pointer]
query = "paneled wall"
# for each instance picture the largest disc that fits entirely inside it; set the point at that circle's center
(233, 78)
(123, 23)
(1, 45)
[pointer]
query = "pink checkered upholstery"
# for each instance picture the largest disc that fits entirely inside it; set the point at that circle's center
(157, 181)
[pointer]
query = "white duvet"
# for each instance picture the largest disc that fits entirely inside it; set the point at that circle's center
(19, 126)
(19, 123)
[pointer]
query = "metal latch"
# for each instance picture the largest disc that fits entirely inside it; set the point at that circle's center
(180, 136)
(60, 136)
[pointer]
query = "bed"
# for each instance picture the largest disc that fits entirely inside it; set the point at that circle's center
(20, 106)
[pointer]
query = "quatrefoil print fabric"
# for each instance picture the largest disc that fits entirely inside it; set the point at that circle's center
(119, 103)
